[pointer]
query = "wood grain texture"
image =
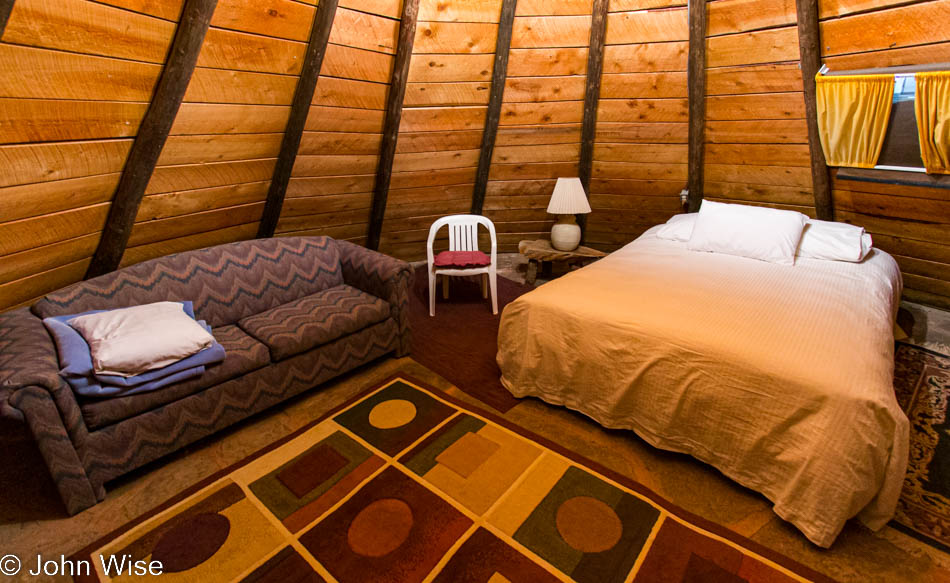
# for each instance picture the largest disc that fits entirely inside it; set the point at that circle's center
(167, 9)
(920, 55)
(154, 130)
(730, 16)
(39, 259)
(537, 89)
(550, 61)
(299, 110)
(810, 39)
(394, 103)
(31, 163)
(50, 120)
(364, 31)
(902, 26)
(647, 26)
(42, 198)
(34, 73)
(773, 45)
(336, 92)
(281, 18)
(460, 11)
(551, 31)
(696, 73)
(241, 51)
(646, 58)
(496, 97)
(753, 79)
(85, 27)
(454, 38)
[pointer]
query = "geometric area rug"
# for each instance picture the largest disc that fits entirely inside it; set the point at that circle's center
(406, 484)
(922, 386)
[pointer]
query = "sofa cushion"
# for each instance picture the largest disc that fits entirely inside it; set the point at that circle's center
(316, 319)
(243, 355)
(225, 282)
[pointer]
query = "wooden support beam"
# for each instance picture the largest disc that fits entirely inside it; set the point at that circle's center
(498, 77)
(696, 79)
(300, 108)
(387, 149)
(6, 7)
(809, 43)
(153, 131)
(595, 69)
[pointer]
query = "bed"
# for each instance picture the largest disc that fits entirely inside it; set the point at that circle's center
(780, 377)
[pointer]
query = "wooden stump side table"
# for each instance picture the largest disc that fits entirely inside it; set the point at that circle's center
(540, 253)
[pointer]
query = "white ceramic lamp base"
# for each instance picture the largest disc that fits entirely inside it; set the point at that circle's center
(565, 234)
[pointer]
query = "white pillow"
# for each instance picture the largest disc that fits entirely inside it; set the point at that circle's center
(749, 231)
(678, 228)
(834, 241)
(130, 341)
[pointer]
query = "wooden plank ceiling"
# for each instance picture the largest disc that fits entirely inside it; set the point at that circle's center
(77, 78)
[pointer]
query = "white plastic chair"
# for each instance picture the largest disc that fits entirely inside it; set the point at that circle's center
(463, 236)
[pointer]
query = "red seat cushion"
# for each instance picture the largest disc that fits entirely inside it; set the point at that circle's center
(461, 259)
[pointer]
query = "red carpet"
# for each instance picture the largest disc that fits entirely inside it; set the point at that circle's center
(460, 342)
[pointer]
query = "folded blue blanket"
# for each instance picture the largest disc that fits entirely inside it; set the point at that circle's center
(77, 368)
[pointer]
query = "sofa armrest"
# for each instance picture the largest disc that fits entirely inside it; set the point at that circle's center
(383, 276)
(28, 358)
(27, 353)
(32, 390)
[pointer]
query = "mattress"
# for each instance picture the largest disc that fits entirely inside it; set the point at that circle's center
(779, 376)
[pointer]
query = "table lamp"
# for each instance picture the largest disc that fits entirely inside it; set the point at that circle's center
(567, 200)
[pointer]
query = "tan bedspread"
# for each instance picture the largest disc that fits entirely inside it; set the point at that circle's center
(780, 377)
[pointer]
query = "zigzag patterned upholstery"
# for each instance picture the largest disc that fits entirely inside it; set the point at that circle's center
(313, 320)
(85, 443)
(226, 282)
(244, 354)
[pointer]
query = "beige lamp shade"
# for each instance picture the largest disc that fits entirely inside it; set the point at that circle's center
(569, 198)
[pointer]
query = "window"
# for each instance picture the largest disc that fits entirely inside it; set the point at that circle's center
(901, 149)
(900, 161)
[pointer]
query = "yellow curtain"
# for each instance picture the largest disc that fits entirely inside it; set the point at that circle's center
(933, 120)
(853, 111)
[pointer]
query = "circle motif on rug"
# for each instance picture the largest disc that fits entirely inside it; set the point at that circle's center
(392, 413)
(191, 542)
(588, 525)
(380, 528)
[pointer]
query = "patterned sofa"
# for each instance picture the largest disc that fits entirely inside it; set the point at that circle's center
(290, 312)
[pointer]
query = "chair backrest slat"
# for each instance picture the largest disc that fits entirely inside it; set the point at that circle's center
(463, 233)
(463, 237)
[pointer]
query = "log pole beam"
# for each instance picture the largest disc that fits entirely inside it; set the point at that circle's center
(152, 133)
(595, 69)
(696, 79)
(297, 121)
(6, 7)
(387, 149)
(498, 78)
(809, 43)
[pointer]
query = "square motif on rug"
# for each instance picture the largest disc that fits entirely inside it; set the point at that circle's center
(404, 484)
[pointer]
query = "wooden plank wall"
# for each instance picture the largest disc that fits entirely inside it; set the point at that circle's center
(539, 131)
(910, 223)
(756, 135)
(75, 80)
(443, 115)
(330, 192)
(640, 151)
(212, 179)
